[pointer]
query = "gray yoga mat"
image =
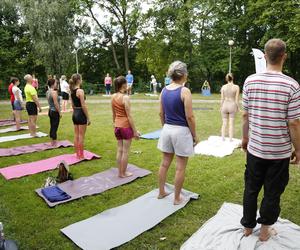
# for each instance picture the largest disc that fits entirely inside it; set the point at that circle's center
(119, 225)
(95, 184)
(224, 232)
(22, 136)
(8, 122)
(13, 129)
(33, 148)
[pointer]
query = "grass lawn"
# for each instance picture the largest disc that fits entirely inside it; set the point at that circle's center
(34, 225)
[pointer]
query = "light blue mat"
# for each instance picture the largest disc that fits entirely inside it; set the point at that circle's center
(118, 225)
(152, 135)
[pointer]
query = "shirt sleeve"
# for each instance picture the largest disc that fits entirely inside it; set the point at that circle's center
(245, 97)
(32, 91)
(293, 107)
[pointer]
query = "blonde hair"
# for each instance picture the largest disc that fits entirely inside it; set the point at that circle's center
(74, 80)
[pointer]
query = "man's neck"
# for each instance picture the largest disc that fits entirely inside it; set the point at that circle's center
(274, 68)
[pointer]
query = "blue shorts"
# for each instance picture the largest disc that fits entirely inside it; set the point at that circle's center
(17, 105)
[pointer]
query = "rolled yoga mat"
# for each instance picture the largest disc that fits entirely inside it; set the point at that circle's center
(152, 135)
(119, 225)
(224, 232)
(95, 184)
(31, 168)
(215, 146)
(13, 129)
(8, 122)
(33, 148)
(22, 136)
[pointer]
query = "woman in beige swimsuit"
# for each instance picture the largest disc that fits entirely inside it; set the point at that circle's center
(229, 104)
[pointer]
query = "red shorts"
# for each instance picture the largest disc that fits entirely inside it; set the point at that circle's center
(124, 133)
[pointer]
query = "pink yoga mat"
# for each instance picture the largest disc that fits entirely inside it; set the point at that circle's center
(8, 122)
(33, 148)
(31, 168)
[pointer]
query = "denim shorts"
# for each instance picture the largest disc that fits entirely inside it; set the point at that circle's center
(17, 105)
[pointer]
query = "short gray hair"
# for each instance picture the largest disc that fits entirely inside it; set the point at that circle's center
(27, 77)
(177, 70)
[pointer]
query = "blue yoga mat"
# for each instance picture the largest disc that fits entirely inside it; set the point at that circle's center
(152, 135)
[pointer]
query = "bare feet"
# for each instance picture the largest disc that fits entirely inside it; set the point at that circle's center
(127, 174)
(266, 232)
(162, 195)
(248, 231)
(178, 201)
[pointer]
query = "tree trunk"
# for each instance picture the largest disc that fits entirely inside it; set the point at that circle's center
(114, 53)
(125, 47)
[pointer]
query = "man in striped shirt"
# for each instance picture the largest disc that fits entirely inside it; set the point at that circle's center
(271, 102)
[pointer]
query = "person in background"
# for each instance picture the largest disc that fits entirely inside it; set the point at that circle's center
(129, 79)
(154, 84)
(32, 104)
(35, 82)
(271, 125)
(18, 102)
(12, 98)
(124, 125)
(167, 80)
(65, 92)
(178, 135)
(230, 93)
(107, 83)
(80, 116)
(54, 109)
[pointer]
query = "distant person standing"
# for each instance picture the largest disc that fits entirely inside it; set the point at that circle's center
(271, 124)
(32, 104)
(54, 109)
(18, 102)
(129, 79)
(65, 92)
(167, 80)
(154, 84)
(35, 82)
(107, 83)
(12, 98)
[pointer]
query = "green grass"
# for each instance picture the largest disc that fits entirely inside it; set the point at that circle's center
(34, 225)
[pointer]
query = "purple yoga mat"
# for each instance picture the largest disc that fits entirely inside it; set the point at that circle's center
(8, 122)
(95, 184)
(33, 148)
(31, 168)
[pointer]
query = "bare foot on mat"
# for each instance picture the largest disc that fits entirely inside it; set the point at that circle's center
(248, 231)
(266, 232)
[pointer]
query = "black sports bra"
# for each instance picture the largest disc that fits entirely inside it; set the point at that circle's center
(75, 99)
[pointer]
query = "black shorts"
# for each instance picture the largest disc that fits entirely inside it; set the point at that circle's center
(65, 96)
(12, 105)
(31, 108)
(79, 117)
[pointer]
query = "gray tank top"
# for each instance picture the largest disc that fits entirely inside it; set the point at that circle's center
(51, 102)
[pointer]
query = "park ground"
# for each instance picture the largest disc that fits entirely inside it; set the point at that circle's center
(34, 225)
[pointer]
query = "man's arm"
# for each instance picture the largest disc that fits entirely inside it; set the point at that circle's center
(245, 138)
(294, 127)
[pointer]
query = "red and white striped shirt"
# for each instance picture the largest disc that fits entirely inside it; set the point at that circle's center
(271, 99)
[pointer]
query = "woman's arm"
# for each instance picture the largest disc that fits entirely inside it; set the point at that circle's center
(113, 113)
(222, 97)
(126, 101)
(80, 95)
(161, 111)
(55, 100)
(187, 100)
(237, 96)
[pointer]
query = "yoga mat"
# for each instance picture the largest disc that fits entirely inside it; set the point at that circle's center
(215, 146)
(8, 122)
(13, 129)
(31, 168)
(119, 225)
(152, 135)
(33, 148)
(22, 136)
(224, 232)
(95, 184)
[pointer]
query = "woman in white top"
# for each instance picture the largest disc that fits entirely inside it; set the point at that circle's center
(18, 102)
(154, 84)
(65, 92)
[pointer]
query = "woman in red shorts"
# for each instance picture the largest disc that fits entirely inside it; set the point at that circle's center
(125, 129)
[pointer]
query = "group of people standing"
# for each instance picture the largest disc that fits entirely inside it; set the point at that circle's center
(108, 82)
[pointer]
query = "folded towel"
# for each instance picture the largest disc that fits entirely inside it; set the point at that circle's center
(55, 194)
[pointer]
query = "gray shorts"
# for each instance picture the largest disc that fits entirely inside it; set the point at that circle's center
(176, 139)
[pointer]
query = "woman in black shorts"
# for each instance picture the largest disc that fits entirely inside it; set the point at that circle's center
(80, 114)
